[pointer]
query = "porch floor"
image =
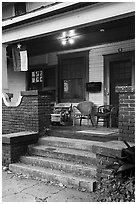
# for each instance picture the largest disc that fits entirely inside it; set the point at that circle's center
(100, 133)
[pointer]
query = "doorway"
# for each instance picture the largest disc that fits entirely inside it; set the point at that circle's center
(119, 70)
(120, 75)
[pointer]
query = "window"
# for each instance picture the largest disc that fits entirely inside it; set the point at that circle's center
(72, 74)
(35, 78)
(20, 8)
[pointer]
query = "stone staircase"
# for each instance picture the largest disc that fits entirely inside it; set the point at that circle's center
(65, 161)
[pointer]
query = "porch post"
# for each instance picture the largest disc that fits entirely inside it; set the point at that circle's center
(5, 88)
(126, 113)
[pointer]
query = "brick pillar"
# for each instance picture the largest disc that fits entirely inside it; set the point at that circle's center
(126, 113)
(32, 114)
(37, 110)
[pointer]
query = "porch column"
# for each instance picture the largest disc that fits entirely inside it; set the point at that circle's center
(126, 113)
(5, 88)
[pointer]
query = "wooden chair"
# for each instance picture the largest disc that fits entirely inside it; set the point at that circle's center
(105, 114)
(84, 110)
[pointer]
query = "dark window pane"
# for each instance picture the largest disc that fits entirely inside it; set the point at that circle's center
(20, 8)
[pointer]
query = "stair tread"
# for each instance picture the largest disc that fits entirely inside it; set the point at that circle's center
(68, 143)
(51, 171)
(80, 141)
(65, 150)
(54, 160)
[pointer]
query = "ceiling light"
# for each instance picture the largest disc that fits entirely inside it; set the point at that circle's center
(71, 40)
(71, 32)
(68, 37)
(64, 34)
(64, 42)
(102, 30)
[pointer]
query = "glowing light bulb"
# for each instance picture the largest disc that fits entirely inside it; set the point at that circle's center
(102, 30)
(71, 40)
(71, 32)
(64, 34)
(64, 42)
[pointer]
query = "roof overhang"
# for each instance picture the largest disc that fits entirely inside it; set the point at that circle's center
(90, 15)
(42, 13)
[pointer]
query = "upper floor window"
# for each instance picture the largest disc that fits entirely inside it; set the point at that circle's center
(20, 8)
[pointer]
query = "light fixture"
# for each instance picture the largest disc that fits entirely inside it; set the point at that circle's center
(70, 40)
(64, 41)
(102, 30)
(64, 34)
(71, 32)
(68, 37)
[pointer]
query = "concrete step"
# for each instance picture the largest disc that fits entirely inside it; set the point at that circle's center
(74, 155)
(77, 169)
(68, 143)
(63, 133)
(67, 179)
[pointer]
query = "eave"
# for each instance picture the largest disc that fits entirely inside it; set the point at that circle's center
(43, 13)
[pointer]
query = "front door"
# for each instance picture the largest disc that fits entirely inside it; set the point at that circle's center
(119, 70)
(72, 78)
(120, 75)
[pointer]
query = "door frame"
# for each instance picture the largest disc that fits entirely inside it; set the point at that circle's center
(112, 58)
(85, 55)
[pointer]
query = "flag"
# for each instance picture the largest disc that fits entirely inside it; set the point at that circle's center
(20, 59)
(24, 60)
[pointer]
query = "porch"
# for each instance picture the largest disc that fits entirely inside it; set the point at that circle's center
(84, 132)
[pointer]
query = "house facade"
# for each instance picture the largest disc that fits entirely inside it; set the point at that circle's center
(74, 51)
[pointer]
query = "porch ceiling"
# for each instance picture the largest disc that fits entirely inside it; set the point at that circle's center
(89, 35)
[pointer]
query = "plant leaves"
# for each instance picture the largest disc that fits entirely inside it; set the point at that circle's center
(113, 166)
(125, 167)
(126, 143)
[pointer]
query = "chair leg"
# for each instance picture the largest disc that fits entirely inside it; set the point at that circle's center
(97, 121)
(92, 121)
(73, 120)
(108, 121)
(80, 120)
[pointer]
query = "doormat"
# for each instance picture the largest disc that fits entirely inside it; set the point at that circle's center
(97, 132)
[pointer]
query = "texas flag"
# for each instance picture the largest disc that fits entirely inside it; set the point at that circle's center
(20, 59)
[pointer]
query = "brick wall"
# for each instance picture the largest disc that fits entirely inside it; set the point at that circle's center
(126, 113)
(15, 145)
(33, 113)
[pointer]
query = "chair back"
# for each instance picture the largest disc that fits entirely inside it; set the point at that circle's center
(105, 109)
(85, 107)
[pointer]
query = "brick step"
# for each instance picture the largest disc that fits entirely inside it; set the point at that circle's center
(67, 179)
(88, 170)
(68, 143)
(77, 156)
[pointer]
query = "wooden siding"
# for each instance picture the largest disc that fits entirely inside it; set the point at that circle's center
(96, 64)
(39, 59)
(50, 59)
